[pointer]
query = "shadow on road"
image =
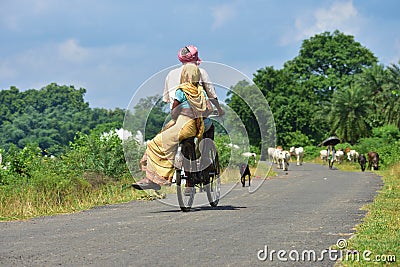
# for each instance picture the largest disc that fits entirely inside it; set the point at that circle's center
(195, 209)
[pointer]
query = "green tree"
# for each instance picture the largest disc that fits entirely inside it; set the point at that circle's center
(254, 114)
(328, 62)
(393, 107)
(273, 84)
(148, 116)
(291, 104)
(246, 115)
(382, 86)
(350, 108)
(374, 81)
(10, 103)
(49, 117)
(300, 94)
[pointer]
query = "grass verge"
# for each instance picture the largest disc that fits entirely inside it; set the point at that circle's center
(377, 238)
(32, 200)
(24, 202)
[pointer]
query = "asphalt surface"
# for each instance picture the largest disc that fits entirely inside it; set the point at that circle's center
(308, 208)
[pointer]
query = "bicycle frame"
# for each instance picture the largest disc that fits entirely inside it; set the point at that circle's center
(192, 172)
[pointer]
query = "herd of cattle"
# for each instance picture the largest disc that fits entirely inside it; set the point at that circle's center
(282, 157)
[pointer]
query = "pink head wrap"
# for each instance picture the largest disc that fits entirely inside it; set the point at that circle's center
(189, 54)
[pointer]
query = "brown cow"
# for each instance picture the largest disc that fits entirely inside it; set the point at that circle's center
(373, 160)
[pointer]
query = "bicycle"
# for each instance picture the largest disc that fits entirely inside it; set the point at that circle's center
(192, 172)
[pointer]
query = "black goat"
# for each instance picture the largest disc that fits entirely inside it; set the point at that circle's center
(244, 171)
(362, 160)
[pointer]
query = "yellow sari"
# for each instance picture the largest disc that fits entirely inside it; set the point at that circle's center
(158, 160)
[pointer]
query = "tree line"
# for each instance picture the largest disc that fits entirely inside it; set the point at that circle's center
(334, 86)
(50, 117)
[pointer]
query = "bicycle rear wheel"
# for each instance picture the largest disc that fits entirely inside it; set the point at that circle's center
(185, 177)
(213, 188)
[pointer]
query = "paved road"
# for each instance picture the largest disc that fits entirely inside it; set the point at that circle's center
(307, 208)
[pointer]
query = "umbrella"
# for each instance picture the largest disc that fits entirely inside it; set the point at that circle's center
(330, 141)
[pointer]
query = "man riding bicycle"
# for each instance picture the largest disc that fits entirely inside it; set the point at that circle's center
(187, 122)
(189, 54)
(159, 153)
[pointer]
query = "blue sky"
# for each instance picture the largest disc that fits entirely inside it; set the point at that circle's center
(111, 47)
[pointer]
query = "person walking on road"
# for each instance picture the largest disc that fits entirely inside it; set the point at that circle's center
(331, 155)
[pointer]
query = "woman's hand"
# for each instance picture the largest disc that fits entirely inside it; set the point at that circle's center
(176, 109)
(221, 112)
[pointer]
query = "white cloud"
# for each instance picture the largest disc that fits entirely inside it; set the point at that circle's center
(102, 70)
(396, 57)
(6, 71)
(222, 14)
(340, 15)
(17, 15)
(71, 51)
(42, 6)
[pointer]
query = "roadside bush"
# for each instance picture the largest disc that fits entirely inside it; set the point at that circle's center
(224, 151)
(92, 172)
(18, 165)
(233, 156)
(56, 184)
(389, 154)
(388, 133)
(94, 153)
(311, 152)
(366, 145)
(343, 146)
(384, 141)
(296, 139)
(133, 154)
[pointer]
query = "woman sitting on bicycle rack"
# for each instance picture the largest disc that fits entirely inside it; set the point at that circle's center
(187, 113)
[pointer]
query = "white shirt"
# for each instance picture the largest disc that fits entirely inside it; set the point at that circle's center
(173, 80)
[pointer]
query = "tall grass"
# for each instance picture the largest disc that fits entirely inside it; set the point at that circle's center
(92, 173)
(379, 232)
(31, 201)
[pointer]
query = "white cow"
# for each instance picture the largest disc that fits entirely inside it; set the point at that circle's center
(339, 156)
(299, 153)
(323, 154)
(271, 152)
(352, 155)
(283, 159)
(276, 154)
(250, 154)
